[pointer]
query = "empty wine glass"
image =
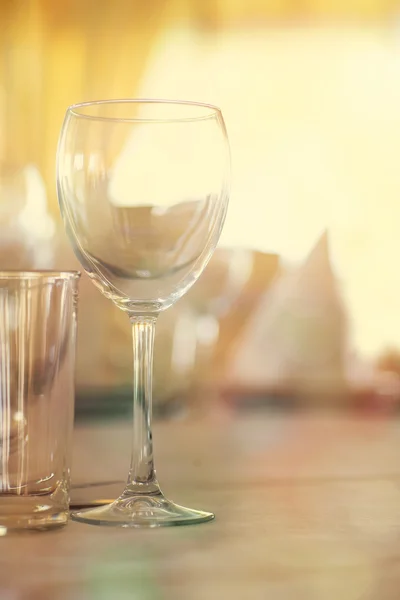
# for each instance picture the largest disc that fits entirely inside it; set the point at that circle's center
(143, 187)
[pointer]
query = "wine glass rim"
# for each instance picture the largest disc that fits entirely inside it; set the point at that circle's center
(210, 110)
(38, 274)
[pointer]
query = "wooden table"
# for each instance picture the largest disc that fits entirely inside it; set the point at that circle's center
(307, 506)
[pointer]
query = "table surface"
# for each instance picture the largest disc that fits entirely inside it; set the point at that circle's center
(307, 508)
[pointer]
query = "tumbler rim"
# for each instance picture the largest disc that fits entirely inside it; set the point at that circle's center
(15, 274)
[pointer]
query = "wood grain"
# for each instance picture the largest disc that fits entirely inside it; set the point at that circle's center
(307, 507)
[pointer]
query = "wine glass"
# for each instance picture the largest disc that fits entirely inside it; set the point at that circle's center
(143, 187)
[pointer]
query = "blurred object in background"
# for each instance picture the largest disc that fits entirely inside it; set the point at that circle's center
(311, 95)
(212, 299)
(375, 385)
(296, 340)
(222, 302)
(27, 229)
(298, 350)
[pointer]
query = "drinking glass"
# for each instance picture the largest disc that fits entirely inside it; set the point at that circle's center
(37, 360)
(143, 187)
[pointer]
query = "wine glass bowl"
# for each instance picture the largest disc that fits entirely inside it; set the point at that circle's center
(143, 198)
(143, 187)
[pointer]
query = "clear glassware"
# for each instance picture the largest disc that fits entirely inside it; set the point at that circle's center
(143, 187)
(37, 365)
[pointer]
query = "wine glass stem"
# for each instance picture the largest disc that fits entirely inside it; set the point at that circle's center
(142, 477)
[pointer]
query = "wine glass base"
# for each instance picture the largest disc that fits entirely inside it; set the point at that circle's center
(141, 511)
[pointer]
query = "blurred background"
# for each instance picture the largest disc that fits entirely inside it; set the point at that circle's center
(300, 305)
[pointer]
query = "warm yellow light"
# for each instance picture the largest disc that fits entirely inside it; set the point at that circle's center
(314, 123)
